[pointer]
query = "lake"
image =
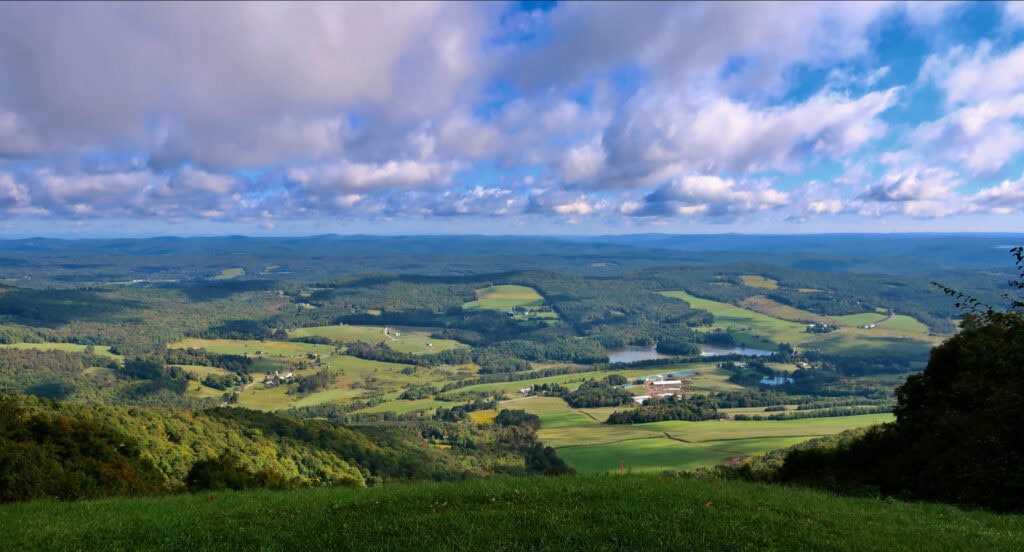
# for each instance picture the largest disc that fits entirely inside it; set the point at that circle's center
(708, 350)
(634, 354)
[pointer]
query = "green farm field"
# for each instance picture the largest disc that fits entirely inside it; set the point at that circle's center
(404, 340)
(759, 282)
(68, 347)
(765, 331)
(249, 347)
(901, 335)
(686, 445)
(505, 297)
(861, 319)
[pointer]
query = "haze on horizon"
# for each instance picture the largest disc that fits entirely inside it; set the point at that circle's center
(184, 119)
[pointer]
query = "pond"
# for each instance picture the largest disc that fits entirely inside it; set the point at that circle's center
(710, 350)
(634, 354)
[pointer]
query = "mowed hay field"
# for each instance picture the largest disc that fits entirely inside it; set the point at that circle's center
(899, 335)
(68, 347)
(590, 446)
(353, 377)
(404, 340)
(771, 330)
(687, 445)
(759, 282)
(505, 297)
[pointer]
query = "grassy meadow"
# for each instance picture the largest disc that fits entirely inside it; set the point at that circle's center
(505, 297)
(404, 340)
(588, 445)
(70, 347)
(900, 335)
(637, 512)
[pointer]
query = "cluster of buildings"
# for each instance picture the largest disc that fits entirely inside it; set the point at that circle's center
(660, 386)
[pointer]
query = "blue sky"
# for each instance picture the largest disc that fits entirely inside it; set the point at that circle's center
(510, 118)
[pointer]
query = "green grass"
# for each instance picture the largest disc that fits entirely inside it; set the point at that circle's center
(250, 347)
(203, 371)
(404, 340)
(229, 273)
(505, 297)
(572, 418)
(593, 513)
(639, 456)
(902, 322)
(67, 347)
(590, 447)
(731, 317)
(905, 335)
(861, 319)
(759, 282)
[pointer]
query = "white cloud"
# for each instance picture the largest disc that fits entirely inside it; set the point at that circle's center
(683, 42)
(12, 194)
(985, 92)
(1013, 14)
(583, 162)
(477, 201)
(923, 192)
(722, 135)
(249, 79)
(1006, 198)
(16, 139)
(353, 177)
(929, 14)
(912, 185)
(711, 196)
(972, 77)
(190, 181)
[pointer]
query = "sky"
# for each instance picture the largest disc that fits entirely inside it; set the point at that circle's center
(140, 119)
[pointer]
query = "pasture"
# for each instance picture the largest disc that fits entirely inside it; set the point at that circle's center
(67, 347)
(862, 319)
(402, 339)
(685, 445)
(759, 282)
(765, 331)
(766, 306)
(902, 335)
(505, 297)
(229, 273)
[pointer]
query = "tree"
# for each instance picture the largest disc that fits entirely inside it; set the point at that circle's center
(956, 437)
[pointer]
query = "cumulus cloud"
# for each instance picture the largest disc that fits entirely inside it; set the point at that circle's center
(347, 176)
(565, 203)
(583, 162)
(970, 77)
(985, 92)
(12, 194)
(104, 73)
(479, 201)
(723, 135)
(1013, 14)
(16, 139)
(686, 41)
(1006, 198)
(710, 196)
(916, 191)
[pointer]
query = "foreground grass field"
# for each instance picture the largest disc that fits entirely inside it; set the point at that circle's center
(633, 512)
